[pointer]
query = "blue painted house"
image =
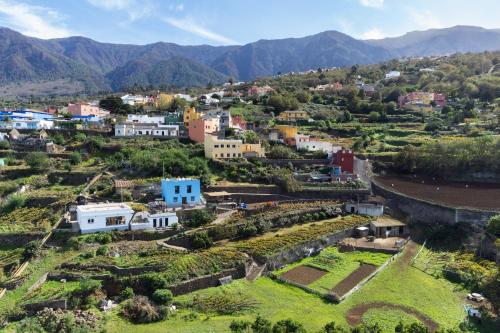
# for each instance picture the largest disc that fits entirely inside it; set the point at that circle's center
(179, 192)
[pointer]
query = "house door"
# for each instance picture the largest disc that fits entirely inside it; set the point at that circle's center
(154, 223)
(184, 200)
(352, 209)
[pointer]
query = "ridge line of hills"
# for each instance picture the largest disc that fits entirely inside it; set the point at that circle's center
(99, 66)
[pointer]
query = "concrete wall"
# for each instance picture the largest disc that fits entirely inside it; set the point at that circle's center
(429, 212)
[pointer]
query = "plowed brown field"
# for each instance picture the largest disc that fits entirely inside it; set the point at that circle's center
(455, 194)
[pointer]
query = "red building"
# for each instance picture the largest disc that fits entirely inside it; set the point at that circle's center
(345, 159)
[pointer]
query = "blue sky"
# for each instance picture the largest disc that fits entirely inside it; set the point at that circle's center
(223, 22)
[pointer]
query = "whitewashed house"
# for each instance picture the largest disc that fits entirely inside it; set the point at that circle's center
(103, 217)
(141, 129)
(151, 221)
(392, 74)
(304, 142)
(145, 119)
(134, 99)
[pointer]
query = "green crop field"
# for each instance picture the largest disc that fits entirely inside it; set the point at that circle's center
(399, 284)
(337, 265)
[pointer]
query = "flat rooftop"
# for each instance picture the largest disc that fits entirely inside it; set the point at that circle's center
(387, 222)
(102, 207)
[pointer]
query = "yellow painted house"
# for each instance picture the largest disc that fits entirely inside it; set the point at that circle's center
(286, 131)
(191, 114)
(292, 116)
(216, 148)
(252, 150)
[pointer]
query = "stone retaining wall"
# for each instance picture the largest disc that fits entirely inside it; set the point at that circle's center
(33, 308)
(206, 281)
(427, 212)
(303, 250)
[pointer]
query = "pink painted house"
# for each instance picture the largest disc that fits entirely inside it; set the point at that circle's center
(199, 127)
(82, 109)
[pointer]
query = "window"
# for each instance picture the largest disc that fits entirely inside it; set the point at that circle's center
(228, 155)
(177, 189)
(234, 146)
(192, 198)
(239, 154)
(189, 189)
(90, 221)
(216, 146)
(115, 220)
(176, 199)
(234, 154)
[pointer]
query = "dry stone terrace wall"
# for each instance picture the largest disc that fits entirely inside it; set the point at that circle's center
(429, 212)
(303, 250)
(207, 281)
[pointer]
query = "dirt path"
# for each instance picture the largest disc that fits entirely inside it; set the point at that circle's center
(355, 315)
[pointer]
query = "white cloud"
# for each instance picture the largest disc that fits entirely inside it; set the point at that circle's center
(134, 9)
(178, 8)
(372, 3)
(34, 21)
(189, 25)
(374, 33)
(424, 18)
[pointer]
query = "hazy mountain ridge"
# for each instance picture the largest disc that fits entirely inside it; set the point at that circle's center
(106, 66)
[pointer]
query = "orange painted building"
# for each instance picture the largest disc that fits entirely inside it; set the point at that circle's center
(199, 127)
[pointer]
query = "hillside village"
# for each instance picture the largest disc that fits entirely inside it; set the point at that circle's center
(352, 197)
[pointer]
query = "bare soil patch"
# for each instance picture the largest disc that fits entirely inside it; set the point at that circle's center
(303, 275)
(353, 279)
(455, 194)
(355, 314)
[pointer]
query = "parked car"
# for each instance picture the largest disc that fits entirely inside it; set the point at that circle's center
(475, 297)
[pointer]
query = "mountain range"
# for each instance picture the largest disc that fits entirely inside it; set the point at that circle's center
(95, 66)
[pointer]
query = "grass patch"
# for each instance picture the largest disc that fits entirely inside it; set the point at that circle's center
(51, 290)
(387, 319)
(338, 265)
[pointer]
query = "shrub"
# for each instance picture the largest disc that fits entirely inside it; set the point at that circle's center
(201, 240)
(288, 326)
(199, 217)
(74, 243)
(102, 251)
(248, 230)
(140, 310)
(80, 137)
(162, 296)
(37, 160)
(75, 158)
(4, 145)
(261, 325)
(239, 326)
(12, 203)
(493, 226)
(32, 249)
(88, 286)
(127, 293)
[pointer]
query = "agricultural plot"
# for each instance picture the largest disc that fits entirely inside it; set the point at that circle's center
(332, 271)
(455, 194)
(26, 220)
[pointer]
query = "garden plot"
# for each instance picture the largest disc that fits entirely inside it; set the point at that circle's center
(303, 275)
(332, 271)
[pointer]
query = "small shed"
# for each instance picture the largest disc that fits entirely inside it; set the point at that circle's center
(217, 197)
(14, 134)
(123, 185)
(365, 208)
(384, 227)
